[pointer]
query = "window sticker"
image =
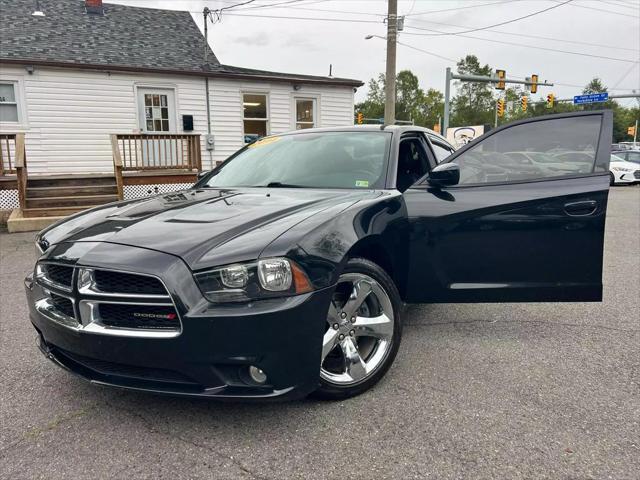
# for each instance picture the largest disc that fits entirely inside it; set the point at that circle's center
(362, 183)
(264, 141)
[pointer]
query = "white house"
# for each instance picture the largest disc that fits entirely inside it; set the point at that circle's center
(81, 72)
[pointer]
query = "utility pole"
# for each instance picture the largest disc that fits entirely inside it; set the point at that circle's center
(390, 79)
(447, 100)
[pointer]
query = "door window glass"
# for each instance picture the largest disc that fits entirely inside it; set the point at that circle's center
(8, 103)
(540, 149)
(413, 163)
(255, 117)
(441, 151)
(156, 112)
(305, 113)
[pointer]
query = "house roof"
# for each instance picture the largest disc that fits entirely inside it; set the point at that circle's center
(124, 38)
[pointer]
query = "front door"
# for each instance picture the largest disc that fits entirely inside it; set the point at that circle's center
(516, 227)
(157, 117)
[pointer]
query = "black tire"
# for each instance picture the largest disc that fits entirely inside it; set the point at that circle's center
(612, 179)
(329, 391)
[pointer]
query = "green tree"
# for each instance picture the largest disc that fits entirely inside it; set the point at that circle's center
(474, 104)
(412, 103)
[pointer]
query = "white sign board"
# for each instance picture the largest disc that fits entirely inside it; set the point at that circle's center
(460, 136)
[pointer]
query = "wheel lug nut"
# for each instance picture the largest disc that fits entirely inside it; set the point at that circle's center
(336, 326)
(353, 319)
(343, 315)
(341, 337)
(352, 333)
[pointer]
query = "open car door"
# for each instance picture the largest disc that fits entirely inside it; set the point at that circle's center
(516, 227)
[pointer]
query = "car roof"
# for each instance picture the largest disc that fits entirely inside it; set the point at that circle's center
(395, 129)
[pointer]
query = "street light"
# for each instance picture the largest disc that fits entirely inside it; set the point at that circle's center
(369, 37)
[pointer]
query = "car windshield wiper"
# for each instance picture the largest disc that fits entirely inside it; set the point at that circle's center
(281, 185)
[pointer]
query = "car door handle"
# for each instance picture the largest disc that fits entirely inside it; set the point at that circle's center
(580, 209)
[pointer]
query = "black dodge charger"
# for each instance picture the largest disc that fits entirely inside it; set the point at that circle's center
(284, 271)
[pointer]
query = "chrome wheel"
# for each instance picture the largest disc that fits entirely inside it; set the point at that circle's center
(359, 330)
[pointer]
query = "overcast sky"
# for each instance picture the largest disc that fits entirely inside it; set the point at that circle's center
(600, 28)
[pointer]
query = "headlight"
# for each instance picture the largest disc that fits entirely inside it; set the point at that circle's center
(41, 246)
(268, 278)
(621, 169)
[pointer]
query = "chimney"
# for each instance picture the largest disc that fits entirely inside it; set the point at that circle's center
(93, 6)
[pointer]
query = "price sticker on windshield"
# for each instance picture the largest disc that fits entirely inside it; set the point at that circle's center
(264, 141)
(362, 183)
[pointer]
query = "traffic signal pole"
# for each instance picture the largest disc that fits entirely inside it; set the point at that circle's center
(479, 79)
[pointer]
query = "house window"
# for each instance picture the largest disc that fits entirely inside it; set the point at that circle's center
(255, 117)
(305, 113)
(9, 111)
(156, 112)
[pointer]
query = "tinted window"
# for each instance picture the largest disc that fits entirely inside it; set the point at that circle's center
(541, 149)
(633, 156)
(441, 151)
(322, 160)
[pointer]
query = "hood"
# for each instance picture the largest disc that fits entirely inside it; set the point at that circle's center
(199, 225)
(624, 164)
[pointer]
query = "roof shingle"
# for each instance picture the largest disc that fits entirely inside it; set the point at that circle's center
(124, 37)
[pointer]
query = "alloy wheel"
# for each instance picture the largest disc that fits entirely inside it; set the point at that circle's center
(360, 326)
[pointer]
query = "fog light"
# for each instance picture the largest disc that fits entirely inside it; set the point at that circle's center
(257, 375)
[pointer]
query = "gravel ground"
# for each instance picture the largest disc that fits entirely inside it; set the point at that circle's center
(477, 391)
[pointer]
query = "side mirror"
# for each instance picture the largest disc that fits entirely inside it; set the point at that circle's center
(203, 173)
(444, 175)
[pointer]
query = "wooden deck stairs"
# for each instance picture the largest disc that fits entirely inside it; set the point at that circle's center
(55, 196)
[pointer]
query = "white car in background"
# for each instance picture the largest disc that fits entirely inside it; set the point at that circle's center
(623, 172)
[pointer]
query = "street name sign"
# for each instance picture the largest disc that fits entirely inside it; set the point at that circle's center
(590, 98)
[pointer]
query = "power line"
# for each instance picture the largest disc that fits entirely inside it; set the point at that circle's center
(625, 75)
(525, 46)
(626, 15)
(619, 5)
(534, 36)
(272, 5)
(503, 23)
(305, 18)
(429, 12)
(427, 52)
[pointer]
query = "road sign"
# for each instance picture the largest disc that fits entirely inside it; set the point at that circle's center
(590, 98)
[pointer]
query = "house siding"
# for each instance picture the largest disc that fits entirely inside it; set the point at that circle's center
(70, 113)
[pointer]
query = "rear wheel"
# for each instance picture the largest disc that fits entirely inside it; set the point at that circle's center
(363, 331)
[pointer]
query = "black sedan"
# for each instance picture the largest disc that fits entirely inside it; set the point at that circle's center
(285, 270)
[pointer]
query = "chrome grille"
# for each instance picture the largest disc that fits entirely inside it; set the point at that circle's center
(106, 301)
(138, 316)
(59, 274)
(62, 305)
(120, 282)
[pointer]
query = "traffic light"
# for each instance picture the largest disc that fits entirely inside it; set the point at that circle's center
(524, 101)
(360, 118)
(550, 100)
(501, 74)
(534, 83)
(500, 107)
(631, 131)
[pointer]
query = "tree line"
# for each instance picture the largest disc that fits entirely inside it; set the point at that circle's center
(474, 103)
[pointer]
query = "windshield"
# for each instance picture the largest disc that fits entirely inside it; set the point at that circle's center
(312, 160)
(615, 158)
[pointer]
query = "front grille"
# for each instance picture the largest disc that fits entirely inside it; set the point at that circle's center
(151, 317)
(62, 305)
(636, 174)
(126, 371)
(59, 274)
(118, 282)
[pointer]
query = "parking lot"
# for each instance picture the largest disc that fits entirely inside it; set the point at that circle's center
(477, 391)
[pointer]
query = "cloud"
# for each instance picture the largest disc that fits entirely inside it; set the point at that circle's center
(255, 39)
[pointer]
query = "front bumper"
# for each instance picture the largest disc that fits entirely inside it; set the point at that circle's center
(211, 355)
(626, 177)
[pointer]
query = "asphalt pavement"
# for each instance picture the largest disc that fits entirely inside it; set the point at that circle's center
(484, 391)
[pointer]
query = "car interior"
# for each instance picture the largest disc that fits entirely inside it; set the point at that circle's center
(413, 163)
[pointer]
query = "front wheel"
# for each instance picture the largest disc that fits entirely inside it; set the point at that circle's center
(612, 179)
(363, 331)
